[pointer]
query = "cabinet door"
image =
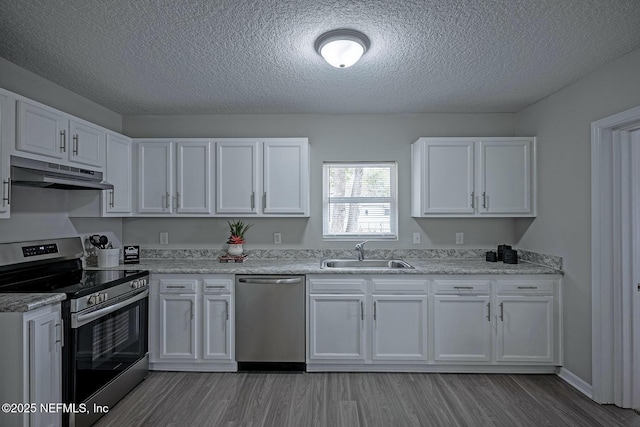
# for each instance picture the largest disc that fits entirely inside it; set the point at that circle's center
(5, 177)
(118, 173)
(286, 178)
(41, 130)
(505, 177)
(193, 193)
(155, 177)
(45, 366)
(217, 332)
(337, 328)
(525, 329)
(177, 326)
(448, 177)
(461, 328)
(400, 327)
(87, 144)
(237, 177)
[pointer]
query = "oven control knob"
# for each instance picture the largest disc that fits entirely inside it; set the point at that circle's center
(103, 297)
(135, 284)
(143, 283)
(91, 300)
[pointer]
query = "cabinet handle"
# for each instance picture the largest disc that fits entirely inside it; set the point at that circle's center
(489, 311)
(63, 141)
(264, 200)
(374, 311)
(191, 301)
(178, 199)
(226, 308)
(167, 201)
(61, 340)
(112, 202)
(502, 311)
(361, 310)
(484, 200)
(216, 287)
(75, 144)
(7, 193)
(175, 286)
(253, 200)
(473, 202)
(527, 287)
(463, 287)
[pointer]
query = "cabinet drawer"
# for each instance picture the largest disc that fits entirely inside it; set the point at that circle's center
(525, 287)
(217, 285)
(399, 284)
(337, 284)
(178, 286)
(462, 287)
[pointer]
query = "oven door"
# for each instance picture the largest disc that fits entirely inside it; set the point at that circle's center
(105, 342)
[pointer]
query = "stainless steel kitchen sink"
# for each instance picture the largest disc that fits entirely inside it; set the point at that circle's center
(387, 264)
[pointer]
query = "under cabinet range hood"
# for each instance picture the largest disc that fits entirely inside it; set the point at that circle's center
(34, 173)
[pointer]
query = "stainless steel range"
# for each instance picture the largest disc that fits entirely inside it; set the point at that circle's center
(105, 318)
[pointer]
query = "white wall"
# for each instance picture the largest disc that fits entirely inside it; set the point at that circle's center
(563, 227)
(331, 137)
(19, 80)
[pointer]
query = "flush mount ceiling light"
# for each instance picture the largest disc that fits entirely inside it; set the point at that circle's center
(342, 48)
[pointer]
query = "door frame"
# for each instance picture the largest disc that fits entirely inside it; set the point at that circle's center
(612, 252)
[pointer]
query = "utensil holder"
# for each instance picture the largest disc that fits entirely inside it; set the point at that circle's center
(108, 257)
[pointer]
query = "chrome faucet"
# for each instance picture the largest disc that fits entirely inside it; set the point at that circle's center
(360, 250)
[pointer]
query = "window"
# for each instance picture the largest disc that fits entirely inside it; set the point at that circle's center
(360, 200)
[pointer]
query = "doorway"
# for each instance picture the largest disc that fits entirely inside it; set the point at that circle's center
(615, 252)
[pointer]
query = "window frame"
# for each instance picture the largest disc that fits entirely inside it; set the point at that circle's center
(392, 200)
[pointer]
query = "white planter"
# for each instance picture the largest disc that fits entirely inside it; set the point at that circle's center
(235, 250)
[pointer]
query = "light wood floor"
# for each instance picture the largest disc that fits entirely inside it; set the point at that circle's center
(359, 399)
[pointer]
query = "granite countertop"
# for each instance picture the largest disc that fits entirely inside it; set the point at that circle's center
(308, 266)
(21, 303)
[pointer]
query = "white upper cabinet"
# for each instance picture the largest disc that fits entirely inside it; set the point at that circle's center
(445, 173)
(463, 177)
(118, 172)
(48, 132)
(155, 177)
(505, 176)
(286, 177)
(5, 177)
(267, 177)
(41, 130)
(237, 177)
(193, 177)
(174, 178)
(87, 143)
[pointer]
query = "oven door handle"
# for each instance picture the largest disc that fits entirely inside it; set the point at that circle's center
(78, 320)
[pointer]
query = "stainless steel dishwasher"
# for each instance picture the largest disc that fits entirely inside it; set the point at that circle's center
(270, 322)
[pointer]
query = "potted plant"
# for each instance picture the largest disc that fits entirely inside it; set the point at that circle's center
(236, 240)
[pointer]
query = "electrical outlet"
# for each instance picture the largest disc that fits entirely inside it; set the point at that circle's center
(277, 238)
(416, 238)
(459, 238)
(164, 238)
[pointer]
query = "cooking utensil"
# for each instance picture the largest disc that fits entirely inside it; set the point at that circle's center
(95, 241)
(104, 241)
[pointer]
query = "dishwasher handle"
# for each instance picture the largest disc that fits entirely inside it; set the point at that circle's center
(269, 281)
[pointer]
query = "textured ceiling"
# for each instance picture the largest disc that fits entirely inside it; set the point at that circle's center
(242, 56)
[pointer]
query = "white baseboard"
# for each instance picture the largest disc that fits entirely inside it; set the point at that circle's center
(576, 382)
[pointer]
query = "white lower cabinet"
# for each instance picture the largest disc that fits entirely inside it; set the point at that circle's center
(337, 326)
(177, 326)
(399, 327)
(434, 323)
(32, 365)
(525, 329)
(462, 328)
(191, 322)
